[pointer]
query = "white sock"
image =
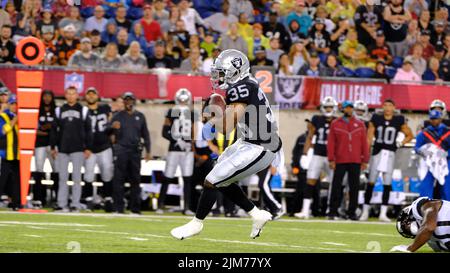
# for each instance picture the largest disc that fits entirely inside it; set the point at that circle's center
(383, 210)
(306, 206)
(196, 220)
(366, 207)
(253, 211)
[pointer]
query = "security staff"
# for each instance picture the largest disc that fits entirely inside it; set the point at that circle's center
(9, 152)
(129, 126)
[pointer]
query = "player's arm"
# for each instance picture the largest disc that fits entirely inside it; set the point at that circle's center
(225, 124)
(429, 211)
(167, 129)
(405, 129)
(370, 135)
(309, 137)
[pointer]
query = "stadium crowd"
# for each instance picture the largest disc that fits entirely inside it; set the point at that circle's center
(404, 40)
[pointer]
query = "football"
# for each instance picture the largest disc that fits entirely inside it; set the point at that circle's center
(217, 103)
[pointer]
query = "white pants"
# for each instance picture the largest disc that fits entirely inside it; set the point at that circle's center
(183, 159)
(40, 154)
(104, 160)
(239, 161)
(375, 161)
(317, 165)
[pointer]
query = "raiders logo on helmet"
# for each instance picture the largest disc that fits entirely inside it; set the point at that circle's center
(237, 62)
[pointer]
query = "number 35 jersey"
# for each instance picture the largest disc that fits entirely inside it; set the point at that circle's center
(322, 126)
(100, 118)
(386, 132)
(258, 125)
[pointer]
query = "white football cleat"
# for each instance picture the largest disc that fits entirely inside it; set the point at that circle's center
(190, 229)
(302, 215)
(260, 218)
(384, 218)
(365, 213)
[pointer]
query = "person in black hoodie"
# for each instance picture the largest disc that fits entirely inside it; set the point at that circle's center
(42, 149)
(72, 135)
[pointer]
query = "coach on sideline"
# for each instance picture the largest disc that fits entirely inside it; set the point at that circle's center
(129, 126)
(348, 152)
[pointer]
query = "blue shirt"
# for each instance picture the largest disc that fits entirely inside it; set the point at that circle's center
(304, 21)
(421, 139)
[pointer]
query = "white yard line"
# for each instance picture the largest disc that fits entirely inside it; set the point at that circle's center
(334, 244)
(49, 224)
(137, 239)
(32, 235)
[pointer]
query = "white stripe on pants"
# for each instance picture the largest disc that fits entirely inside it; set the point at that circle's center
(77, 160)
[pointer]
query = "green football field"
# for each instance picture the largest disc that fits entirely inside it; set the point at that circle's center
(89, 232)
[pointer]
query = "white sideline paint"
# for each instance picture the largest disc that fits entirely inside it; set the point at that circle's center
(32, 235)
(49, 224)
(137, 239)
(334, 244)
(106, 215)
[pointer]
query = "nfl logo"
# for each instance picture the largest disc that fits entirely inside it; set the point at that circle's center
(75, 80)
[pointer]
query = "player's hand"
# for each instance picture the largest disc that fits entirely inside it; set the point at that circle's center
(116, 125)
(208, 131)
(295, 170)
(332, 165)
(87, 154)
(363, 166)
(54, 153)
(400, 248)
(304, 162)
(148, 157)
(399, 144)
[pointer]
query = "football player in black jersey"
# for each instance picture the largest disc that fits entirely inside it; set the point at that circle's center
(384, 129)
(102, 154)
(257, 147)
(318, 128)
(178, 129)
(362, 112)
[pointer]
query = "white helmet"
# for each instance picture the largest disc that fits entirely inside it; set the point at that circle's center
(329, 102)
(228, 68)
(440, 104)
(183, 96)
(361, 106)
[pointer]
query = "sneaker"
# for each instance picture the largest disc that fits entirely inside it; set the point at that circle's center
(74, 210)
(384, 218)
(334, 218)
(365, 213)
(277, 215)
(260, 218)
(301, 215)
(61, 210)
(190, 229)
(36, 204)
(231, 215)
(352, 217)
(159, 211)
(188, 212)
(108, 205)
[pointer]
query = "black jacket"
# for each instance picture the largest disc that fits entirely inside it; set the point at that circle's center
(72, 131)
(133, 127)
(297, 152)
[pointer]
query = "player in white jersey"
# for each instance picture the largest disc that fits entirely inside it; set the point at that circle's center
(427, 221)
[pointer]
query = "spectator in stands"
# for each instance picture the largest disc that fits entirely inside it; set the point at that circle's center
(406, 73)
(233, 40)
(424, 20)
(67, 45)
(337, 8)
(416, 7)
(109, 35)
(73, 19)
(123, 42)
(301, 16)
(298, 55)
(320, 38)
(97, 21)
(98, 46)
(84, 58)
(261, 57)
(433, 72)
(339, 35)
(4, 96)
(111, 58)
(413, 33)
(294, 32)
(133, 59)
(258, 39)
(313, 68)
(193, 64)
(120, 19)
(322, 13)
(161, 15)
(284, 66)
(174, 16)
(220, 21)
(332, 68)
(274, 52)
(137, 34)
(439, 51)
(379, 50)
(9, 153)
(245, 29)
(181, 33)
(418, 62)
(368, 18)
(61, 9)
(5, 18)
(438, 33)
(190, 16)
(274, 29)
(207, 63)
(26, 24)
(160, 59)
(424, 39)
(380, 71)
(208, 43)
(242, 6)
(447, 46)
(396, 27)
(152, 29)
(48, 38)
(351, 53)
(71, 141)
(47, 23)
(7, 47)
